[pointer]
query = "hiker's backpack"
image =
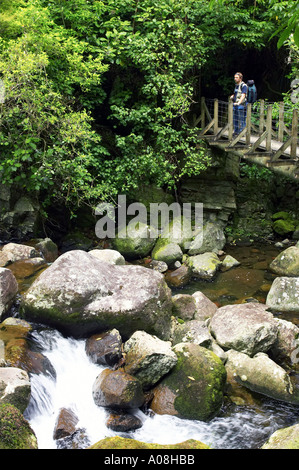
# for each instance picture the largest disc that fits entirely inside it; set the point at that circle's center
(252, 92)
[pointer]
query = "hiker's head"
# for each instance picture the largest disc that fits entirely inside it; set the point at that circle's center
(238, 77)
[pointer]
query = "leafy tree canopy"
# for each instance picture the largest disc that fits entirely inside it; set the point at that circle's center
(99, 94)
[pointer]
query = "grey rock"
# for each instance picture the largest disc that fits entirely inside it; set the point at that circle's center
(283, 295)
(148, 358)
(247, 328)
(80, 295)
(8, 290)
(262, 375)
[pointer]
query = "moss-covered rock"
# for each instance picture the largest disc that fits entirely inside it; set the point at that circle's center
(15, 387)
(17, 353)
(135, 242)
(194, 387)
(48, 249)
(204, 266)
(123, 443)
(208, 238)
(283, 223)
(15, 431)
(178, 231)
(168, 252)
(286, 438)
(283, 227)
(287, 262)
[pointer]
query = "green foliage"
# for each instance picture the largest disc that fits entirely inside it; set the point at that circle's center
(99, 95)
(289, 21)
(255, 172)
(45, 139)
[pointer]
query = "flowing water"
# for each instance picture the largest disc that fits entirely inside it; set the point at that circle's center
(237, 427)
(68, 382)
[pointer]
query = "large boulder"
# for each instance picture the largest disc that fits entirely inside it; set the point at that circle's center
(247, 328)
(283, 295)
(287, 262)
(8, 290)
(262, 375)
(194, 387)
(81, 295)
(148, 358)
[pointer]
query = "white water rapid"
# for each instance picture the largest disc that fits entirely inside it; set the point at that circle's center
(244, 427)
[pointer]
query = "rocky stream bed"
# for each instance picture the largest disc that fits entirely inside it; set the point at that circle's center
(93, 347)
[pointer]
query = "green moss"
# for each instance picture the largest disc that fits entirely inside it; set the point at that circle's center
(123, 443)
(283, 227)
(286, 438)
(15, 431)
(138, 246)
(281, 215)
(198, 381)
(284, 223)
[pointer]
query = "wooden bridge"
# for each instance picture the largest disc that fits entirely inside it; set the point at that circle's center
(270, 137)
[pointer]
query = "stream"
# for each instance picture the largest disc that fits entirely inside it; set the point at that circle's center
(237, 427)
(68, 381)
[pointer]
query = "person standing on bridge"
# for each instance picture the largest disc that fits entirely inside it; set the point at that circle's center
(239, 99)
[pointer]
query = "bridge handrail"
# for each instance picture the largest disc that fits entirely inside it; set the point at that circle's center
(264, 119)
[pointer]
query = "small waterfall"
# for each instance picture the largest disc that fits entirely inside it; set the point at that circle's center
(71, 387)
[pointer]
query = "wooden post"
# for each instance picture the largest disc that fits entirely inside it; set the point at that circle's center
(281, 122)
(230, 120)
(262, 117)
(215, 116)
(202, 112)
(269, 128)
(248, 123)
(294, 133)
